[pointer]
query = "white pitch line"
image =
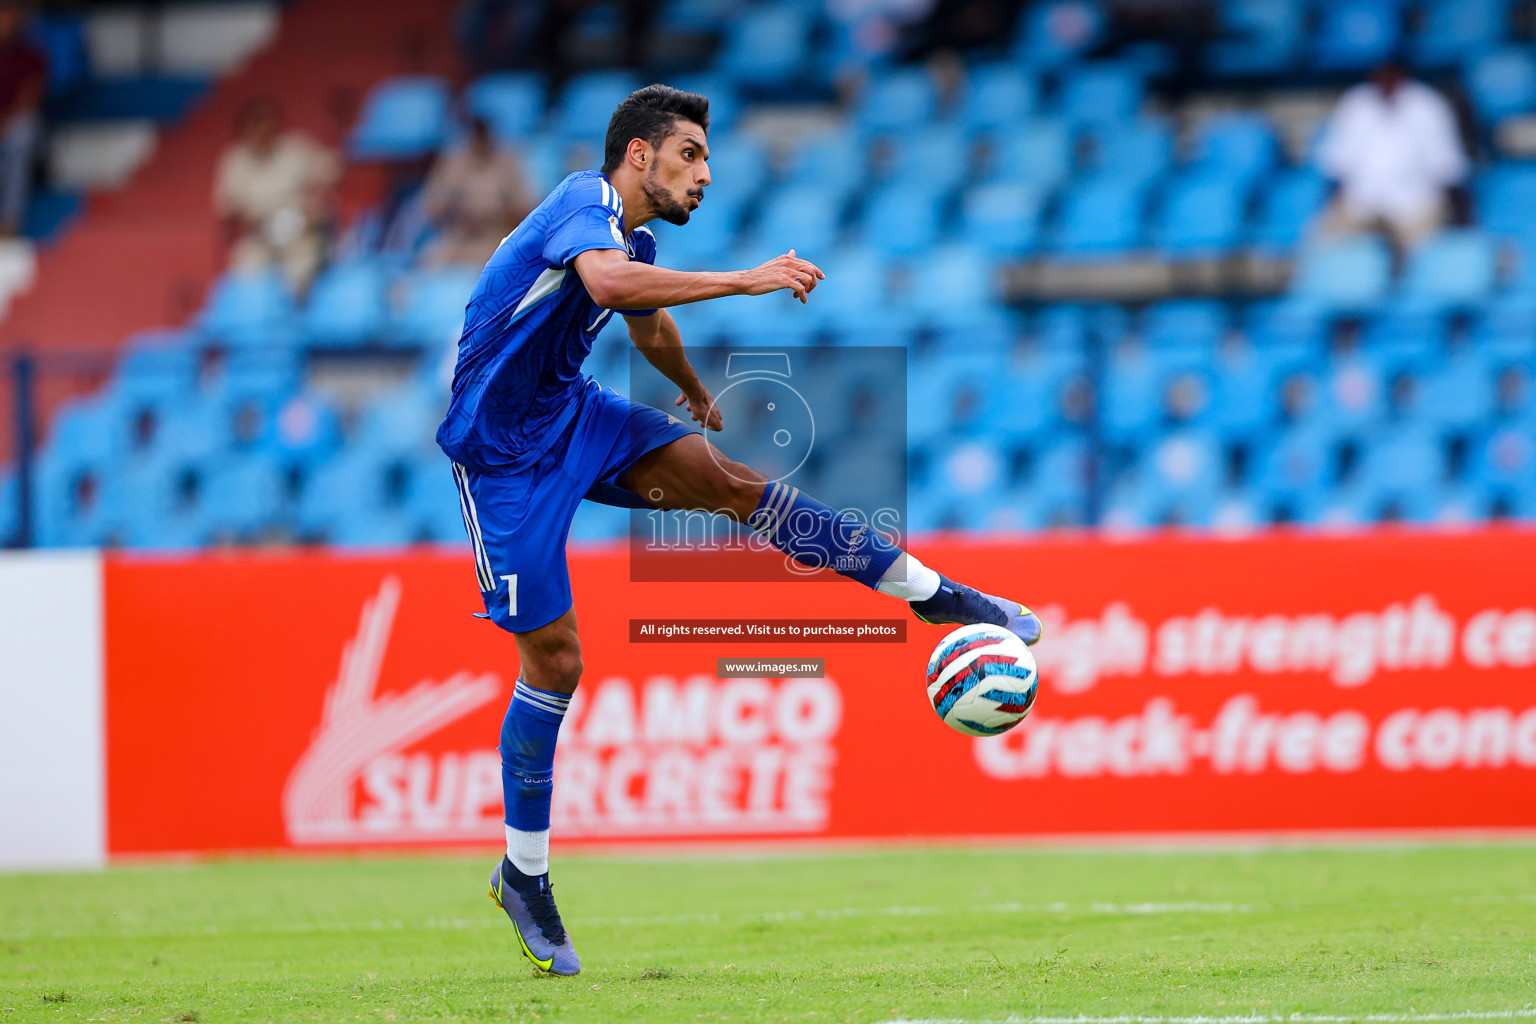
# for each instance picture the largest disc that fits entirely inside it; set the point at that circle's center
(1295, 1018)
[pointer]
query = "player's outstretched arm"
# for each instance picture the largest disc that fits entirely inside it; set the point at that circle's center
(617, 282)
(659, 340)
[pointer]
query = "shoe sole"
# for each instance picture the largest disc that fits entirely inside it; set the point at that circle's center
(543, 966)
(1023, 610)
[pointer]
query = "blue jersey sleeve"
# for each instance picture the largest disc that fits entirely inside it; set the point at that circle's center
(588, 219)
(645, 251)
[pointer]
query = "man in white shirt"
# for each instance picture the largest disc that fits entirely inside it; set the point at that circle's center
(1393, 149)
(271, 192)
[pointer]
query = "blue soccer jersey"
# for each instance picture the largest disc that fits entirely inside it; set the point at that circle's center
(530, 325)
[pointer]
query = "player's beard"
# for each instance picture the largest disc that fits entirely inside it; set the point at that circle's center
(663, 201)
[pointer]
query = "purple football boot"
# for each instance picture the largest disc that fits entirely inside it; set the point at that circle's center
(529, 901)
(959, 604)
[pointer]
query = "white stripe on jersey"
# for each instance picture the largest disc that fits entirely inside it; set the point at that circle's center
(545, 285)
(606, 201)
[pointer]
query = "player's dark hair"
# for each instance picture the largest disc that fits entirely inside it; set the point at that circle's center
(650, 114)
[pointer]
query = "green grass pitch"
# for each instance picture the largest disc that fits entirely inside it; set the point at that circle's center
(960, 934)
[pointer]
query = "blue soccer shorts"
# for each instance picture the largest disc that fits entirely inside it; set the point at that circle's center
(518, 523)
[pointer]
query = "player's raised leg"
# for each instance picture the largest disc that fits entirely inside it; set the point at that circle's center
(551, 668)
(689, 474)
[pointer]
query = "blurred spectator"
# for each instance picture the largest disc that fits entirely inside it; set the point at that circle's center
(272, 190)
(475, 196)
(23, 81)
(1392, 148)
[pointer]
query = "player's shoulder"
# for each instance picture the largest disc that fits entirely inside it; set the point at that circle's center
(589, 188)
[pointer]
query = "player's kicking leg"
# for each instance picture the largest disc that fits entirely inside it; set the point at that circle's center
(688, 474)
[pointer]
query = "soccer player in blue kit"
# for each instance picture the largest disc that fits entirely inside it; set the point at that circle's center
(530, 437)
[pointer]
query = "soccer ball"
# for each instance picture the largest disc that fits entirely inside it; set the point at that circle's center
(982, 680)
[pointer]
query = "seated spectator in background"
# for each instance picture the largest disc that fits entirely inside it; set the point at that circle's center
(1392, 148)
(475, 195)
(272, 190)
(23, 82)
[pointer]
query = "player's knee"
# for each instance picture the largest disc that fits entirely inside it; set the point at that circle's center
(556, 668)
(562, 667)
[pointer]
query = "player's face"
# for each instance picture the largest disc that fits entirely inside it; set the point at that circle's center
(675, 182)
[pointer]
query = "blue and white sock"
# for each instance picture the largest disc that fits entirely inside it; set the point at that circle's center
(528, 736)
(816, 536)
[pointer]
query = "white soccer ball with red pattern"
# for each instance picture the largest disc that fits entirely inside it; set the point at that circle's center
(982, 680)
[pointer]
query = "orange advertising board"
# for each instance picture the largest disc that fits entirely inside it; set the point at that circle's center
(1276, 684)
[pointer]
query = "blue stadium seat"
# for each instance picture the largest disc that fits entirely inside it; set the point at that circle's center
(1349, 273)
(855, 285)
(588, 101)
(156, 367)
(346, 305)
(353, 485)
(800, 217)
(834, 163)
(404, 418)
(1183, 466)
(766, 45)
(1451, 31)
(1137, 152)
(1506, 199)
(306, 430)
(1237, 145)
(933, 158)
(245, 496)
(1131, 401)
(1037, 153)
(1245, 390)
(1287, 205)
(1402, 461)
(1353, 35)
(897, 99)
(1184, 323)
(1103, 93)
(724, 99)
(953, 284)
(997, 96)
(1353, 396)
(1502, 83)
(251, 308)
(1201, 216)
(433, 313)
(1058, 31)
(1100, 217)
(402, 118)
(1298, 465)
(1002, 218)
(512, 103)
(1258, 37)
(900, 220)
(1452, 268)
(1458, 395)
(1506, 458)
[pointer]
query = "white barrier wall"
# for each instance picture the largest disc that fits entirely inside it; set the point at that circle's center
(52, 771)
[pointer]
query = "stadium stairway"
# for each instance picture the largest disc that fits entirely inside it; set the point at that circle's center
(143, 257)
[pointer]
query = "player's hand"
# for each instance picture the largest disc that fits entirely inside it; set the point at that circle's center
(784, 272)
(702, 407)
